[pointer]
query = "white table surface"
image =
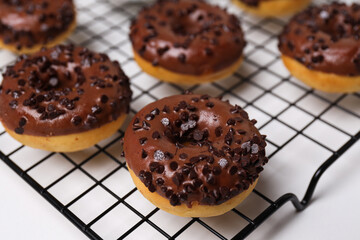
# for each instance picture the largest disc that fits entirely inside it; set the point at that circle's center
(333, 214)
(24, 214)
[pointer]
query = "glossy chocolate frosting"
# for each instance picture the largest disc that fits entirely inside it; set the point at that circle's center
(27, 23)
(187, 36)
(192, 148)
(325, 38)
(62, 90)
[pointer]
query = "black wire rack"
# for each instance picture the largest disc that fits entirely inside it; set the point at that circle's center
(98, 187)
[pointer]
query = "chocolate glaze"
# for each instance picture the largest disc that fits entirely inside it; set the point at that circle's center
(187, 36)
(27, 23)
(325, 38)
(192, 148)
(62, 90)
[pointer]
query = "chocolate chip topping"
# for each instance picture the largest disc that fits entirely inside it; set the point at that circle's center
(187, 36)
(325, 38)
(35, 22)
(196, 159)
(43, 106)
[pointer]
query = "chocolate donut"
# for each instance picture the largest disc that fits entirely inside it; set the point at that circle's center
(272, 8)
(194, 152)
(326, 40)
(187, 39)
(26, 26)
(62, 91)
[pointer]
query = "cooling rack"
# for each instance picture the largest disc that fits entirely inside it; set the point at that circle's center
(93, 189)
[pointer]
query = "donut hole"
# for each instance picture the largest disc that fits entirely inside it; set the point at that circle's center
(59, 84)
(189, 129)
(190, 24)
(189, 138)
(337, 31)
(48, 82)
(185, 27)
(176, 136)
(333, 23)
(47, 76)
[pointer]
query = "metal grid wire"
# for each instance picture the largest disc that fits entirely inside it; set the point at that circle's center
(93, 189)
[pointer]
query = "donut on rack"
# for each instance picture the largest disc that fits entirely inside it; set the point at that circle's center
(28, 25)
(63, 99)
(321, 47)
(187, 41)
(194, 155)
(272, 8)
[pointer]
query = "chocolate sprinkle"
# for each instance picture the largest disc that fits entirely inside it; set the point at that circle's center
(19, 130)
(143, 154)
(22, 122)
(143, 140)
(156, 135)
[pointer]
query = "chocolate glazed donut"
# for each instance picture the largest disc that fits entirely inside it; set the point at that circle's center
(195, 151)
(27, 25)
(187, 38)
(325, 40)
(62, 91)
